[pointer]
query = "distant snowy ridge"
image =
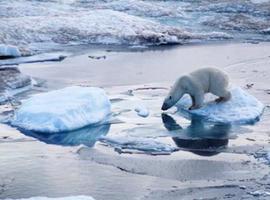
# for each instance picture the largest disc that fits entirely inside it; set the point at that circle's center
(57, 198)
(36, 26)
(99, 26)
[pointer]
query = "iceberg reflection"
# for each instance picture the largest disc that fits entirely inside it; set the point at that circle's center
(87, 136)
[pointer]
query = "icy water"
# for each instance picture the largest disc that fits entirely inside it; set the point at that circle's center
(38, 26)
(161, 156)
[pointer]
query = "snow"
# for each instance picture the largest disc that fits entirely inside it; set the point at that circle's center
(35, 25)
(9, 51)
(242, 108)
(58, 198)
(142, 111)
(63, 110)
(106, 27)
(141, 8)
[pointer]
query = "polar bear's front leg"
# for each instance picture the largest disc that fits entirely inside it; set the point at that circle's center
(197, 101)
(224, 97)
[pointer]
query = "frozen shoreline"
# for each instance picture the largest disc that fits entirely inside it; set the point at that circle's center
(233, 170)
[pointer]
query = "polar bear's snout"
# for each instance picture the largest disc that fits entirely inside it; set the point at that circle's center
(165, 106)
(168, 102)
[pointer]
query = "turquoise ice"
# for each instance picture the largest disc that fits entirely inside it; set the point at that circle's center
(242, 108)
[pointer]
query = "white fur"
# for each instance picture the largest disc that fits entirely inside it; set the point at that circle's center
(196, 84)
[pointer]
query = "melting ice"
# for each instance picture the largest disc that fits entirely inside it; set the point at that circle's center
(63, 110)
(242, 108)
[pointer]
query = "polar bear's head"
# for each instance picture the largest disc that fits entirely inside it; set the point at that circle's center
(179, 88)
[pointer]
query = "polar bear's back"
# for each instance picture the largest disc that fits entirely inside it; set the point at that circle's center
(212, 79)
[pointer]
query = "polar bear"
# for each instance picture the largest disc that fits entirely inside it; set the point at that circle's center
(196, 84)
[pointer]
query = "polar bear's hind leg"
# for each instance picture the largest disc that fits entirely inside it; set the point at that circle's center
(197, 101)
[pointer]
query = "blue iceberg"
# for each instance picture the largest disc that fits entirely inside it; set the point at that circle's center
(242, 108)
(63, 110)
(9, 51)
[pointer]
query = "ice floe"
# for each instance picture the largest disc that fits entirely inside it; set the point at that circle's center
(242, 108)
(63, 110)
(147, 145)
(12, 78)
(57, 198)
(9, 51)
(12, 82)
(142, 111)
(263, 156)
(45, 57)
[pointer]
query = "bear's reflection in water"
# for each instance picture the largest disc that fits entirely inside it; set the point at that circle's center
(199, 138)
(87, 136)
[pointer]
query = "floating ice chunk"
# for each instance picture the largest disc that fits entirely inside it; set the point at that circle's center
(12, 82)
(11, 78)
(147, 145)
(142, 111)
(63, 110)
(45, 57)
(263, 156)
(8, 51)
(58, 198)
(242, 108)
